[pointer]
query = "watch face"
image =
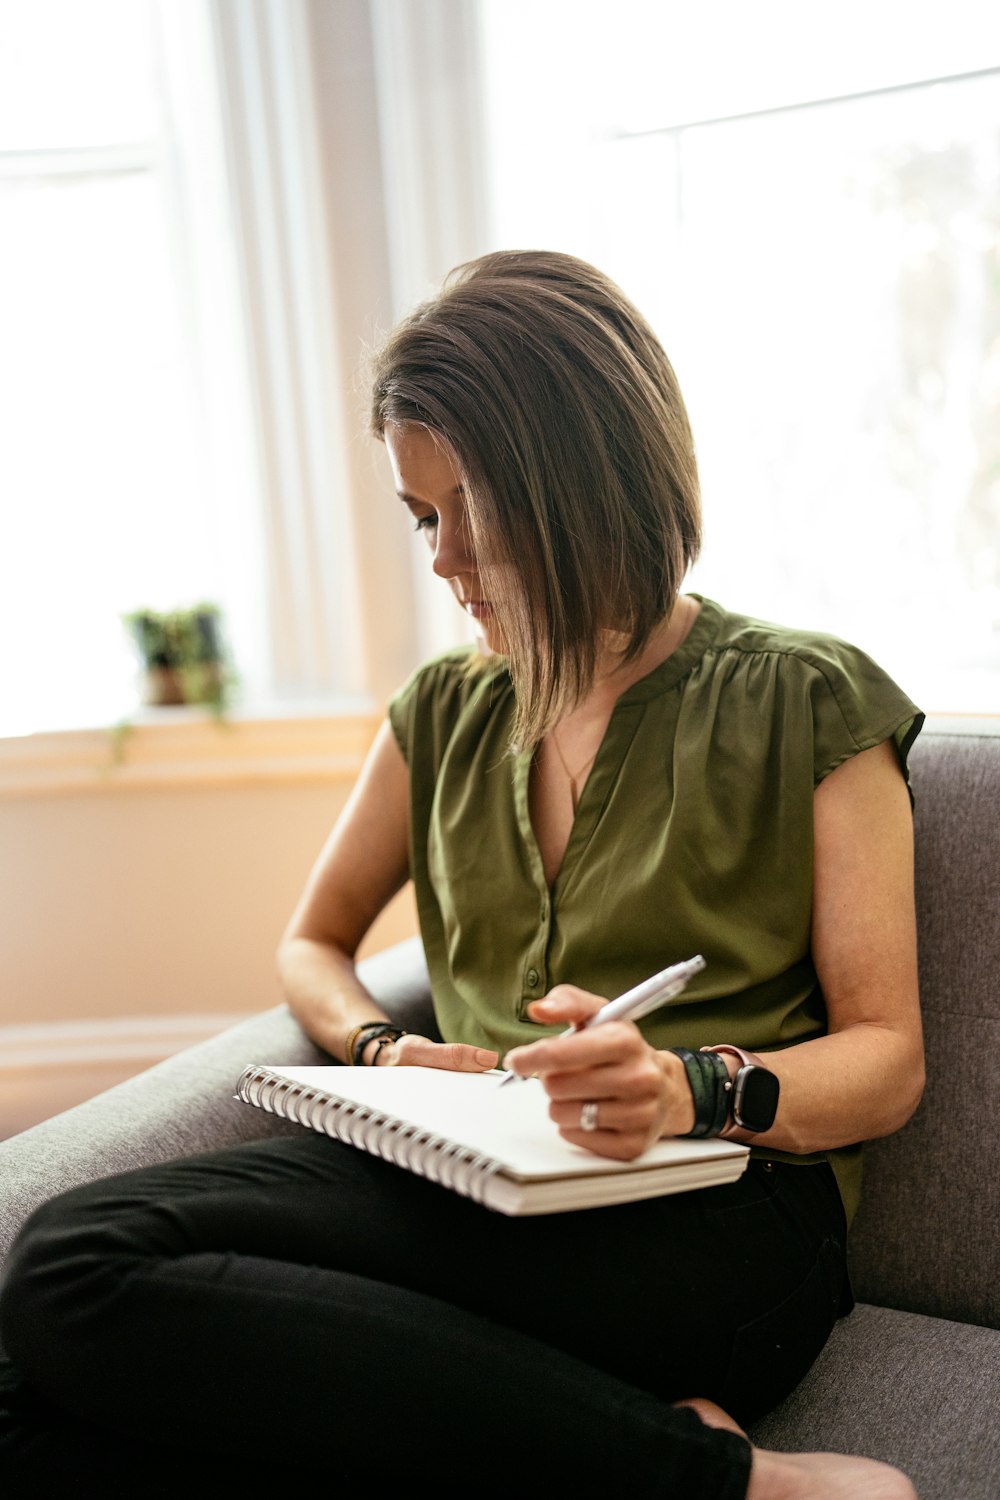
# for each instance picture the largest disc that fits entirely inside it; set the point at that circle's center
(755, 1098)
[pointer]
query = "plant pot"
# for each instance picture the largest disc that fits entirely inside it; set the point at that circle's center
(162, 687)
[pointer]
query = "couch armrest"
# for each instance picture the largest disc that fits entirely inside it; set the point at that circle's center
(927, 1235)
(185, 1104)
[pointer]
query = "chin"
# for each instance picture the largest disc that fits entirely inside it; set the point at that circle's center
(487, 643)
(489, 638)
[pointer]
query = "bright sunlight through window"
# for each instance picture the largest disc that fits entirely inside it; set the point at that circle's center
(812, 223)
(105, 473)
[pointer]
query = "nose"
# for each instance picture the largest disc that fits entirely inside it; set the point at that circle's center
(453, 552)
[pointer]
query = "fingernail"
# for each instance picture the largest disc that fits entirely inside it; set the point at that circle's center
(485, 1059)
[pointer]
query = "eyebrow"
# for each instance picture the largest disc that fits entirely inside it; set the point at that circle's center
(459, 490)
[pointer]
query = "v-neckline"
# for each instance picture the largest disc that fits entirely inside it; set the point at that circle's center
(552, 817)
(626, 715)
(600, 781)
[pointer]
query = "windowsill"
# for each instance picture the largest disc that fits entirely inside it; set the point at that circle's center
(186, 747)
(963, 723)
(171, 747)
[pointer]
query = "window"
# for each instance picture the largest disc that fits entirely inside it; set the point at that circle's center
(814, 231)
(812, 228)
(117, 364)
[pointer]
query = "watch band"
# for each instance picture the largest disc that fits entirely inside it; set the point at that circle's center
(748, 1059)
(750, 1066)
(708, 1079)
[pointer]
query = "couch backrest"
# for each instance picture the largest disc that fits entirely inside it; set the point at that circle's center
(927, 1236)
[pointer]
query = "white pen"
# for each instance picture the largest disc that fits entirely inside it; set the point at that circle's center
(640, 1000)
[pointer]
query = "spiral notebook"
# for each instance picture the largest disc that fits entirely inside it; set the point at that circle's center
(496, 1145)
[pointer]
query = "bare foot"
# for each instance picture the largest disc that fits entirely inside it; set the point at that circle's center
(712, 1415)
(824, 1476)
(809, 1476)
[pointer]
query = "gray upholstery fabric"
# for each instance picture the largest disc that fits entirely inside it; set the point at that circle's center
(927, 1236)
(185, 1104)
(921, 1393)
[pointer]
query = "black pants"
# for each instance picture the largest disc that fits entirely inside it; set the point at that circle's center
(297, 1302)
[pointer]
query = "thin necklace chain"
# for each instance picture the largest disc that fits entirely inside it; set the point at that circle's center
(574, 791)
(572, 778)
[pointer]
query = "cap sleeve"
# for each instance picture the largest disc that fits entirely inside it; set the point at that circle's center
(856, 705)
(425, 709)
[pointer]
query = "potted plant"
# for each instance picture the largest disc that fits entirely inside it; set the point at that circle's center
(181, 655)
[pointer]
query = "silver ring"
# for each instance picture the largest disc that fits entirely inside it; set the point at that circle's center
(588, 1117)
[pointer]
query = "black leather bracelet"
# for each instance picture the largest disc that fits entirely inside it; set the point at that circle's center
(382, 1041)
(372, 1030)
(699, 1079)
(723, 1093)
(708, 1077)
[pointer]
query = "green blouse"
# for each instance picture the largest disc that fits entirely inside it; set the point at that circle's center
(694, 834)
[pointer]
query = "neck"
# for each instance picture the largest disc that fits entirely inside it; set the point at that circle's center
(616, 675)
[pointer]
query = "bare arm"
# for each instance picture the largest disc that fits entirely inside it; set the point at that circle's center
(363, 864)
(866, 1077)
(863, 1079)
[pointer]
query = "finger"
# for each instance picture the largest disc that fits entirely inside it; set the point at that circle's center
(568, 1114)
(586, 1083)
(621, 1116)
(566, 1003)
(574, 1051)
(454, 1057)
(626, 1073)
(622, 1128)
(617, 1144)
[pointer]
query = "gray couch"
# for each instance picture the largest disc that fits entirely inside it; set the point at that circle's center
(912, 1376)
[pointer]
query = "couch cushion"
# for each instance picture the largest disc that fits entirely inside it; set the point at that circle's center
(927, 1235)
(917, 1392)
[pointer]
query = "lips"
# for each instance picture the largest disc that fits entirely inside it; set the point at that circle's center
(479, 609)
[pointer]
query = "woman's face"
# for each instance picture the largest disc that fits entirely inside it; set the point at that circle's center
(428, 484)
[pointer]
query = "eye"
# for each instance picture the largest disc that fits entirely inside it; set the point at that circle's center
(425, 523)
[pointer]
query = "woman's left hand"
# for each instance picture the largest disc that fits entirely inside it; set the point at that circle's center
(640, 1094)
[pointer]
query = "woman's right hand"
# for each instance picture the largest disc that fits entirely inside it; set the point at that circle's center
(412, 1051)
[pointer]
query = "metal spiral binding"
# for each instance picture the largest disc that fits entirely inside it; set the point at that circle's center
(460, 1168)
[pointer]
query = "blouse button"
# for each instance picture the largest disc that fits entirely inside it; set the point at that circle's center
(532, 978)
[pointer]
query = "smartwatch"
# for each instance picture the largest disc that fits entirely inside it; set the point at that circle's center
(755, 1089)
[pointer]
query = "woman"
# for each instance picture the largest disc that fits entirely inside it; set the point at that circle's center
(619, 776)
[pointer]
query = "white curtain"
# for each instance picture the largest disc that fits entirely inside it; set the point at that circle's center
(356, 184)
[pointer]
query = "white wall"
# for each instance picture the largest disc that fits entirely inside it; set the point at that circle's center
(139, 916)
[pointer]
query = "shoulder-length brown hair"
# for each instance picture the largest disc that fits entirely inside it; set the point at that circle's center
(575, 454)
